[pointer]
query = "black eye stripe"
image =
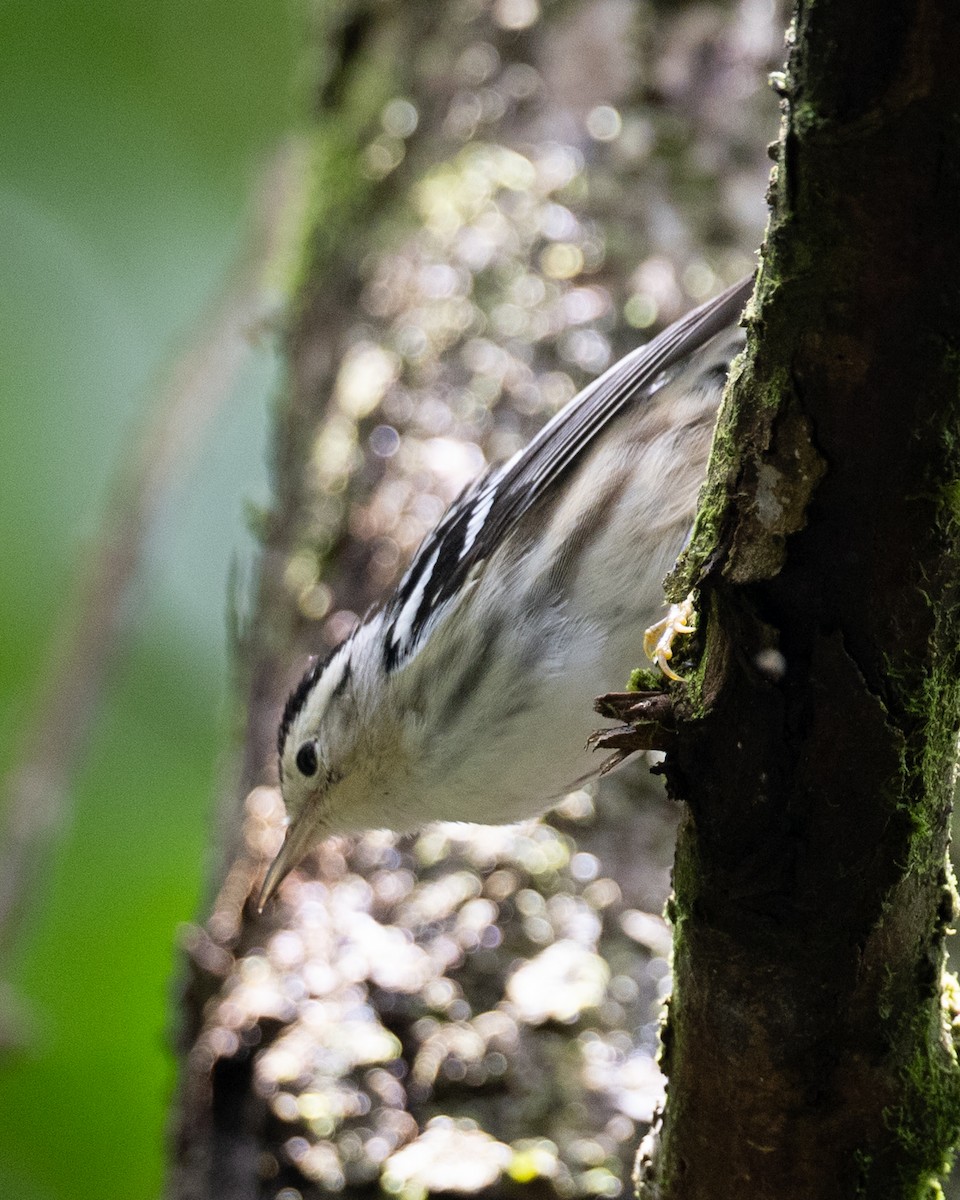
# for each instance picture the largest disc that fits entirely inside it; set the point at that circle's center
(306, 759)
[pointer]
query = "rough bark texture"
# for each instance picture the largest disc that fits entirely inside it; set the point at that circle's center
(809, 1048)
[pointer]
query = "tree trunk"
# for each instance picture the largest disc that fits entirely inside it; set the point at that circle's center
(809, 1047)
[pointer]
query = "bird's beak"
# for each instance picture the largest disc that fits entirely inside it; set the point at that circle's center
(300, 836)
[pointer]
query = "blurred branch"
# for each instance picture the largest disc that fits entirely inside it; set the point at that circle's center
(36, 791)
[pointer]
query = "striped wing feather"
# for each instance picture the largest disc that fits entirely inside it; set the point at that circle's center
(479, 521)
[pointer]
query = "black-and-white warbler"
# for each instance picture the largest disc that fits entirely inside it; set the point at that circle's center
(467, 695)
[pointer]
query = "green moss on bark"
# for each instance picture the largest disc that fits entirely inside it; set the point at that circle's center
(807, 1049)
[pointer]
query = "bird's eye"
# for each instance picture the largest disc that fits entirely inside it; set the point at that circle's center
(306, 759)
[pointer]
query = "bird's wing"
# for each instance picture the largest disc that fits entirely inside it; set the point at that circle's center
(479, 521)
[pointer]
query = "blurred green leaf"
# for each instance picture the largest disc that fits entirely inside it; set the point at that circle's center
(131, 134)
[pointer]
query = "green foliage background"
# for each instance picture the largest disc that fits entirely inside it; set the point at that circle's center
(130, 135)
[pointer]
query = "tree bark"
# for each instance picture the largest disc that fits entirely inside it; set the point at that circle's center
(809, 1047)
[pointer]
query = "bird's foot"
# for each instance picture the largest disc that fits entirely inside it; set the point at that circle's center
(658, 639)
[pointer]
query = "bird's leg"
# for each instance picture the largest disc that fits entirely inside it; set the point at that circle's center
(658, 639)
(647, 720)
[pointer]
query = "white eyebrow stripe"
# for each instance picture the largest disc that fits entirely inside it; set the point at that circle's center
(328, 682)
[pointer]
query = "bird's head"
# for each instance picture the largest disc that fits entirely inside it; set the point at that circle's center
(339, 758)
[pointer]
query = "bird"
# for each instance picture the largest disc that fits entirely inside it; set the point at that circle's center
(466, 694)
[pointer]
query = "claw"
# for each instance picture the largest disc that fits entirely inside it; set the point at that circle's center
(658, 639)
